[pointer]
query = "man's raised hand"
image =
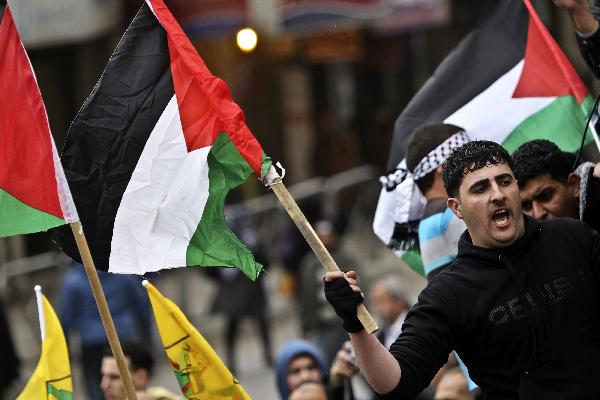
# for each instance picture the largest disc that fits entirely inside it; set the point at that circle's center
(344, 295)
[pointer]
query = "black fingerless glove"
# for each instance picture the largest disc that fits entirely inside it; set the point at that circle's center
(344, 301)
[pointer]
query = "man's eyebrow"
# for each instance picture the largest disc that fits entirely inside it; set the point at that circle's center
(504, 175)
(479, 182)
(542, 191)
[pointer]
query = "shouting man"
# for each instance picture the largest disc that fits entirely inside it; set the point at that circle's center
(520, 304)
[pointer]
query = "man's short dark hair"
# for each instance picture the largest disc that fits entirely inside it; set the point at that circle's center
(138, 355)
(424, 139)
(470, 157)
(539, 157)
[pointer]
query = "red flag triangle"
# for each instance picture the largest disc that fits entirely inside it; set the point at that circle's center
(547, 71)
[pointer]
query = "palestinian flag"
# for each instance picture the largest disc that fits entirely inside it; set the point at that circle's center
(154, 151)
(507, 81)
(34, 195)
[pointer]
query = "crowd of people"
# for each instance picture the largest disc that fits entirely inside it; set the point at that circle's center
(512, 257)
(506, 230)
(511, 309)
(504, 302)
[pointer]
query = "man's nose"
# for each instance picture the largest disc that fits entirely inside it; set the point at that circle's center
(305, 374)
(496, 193)
(103, 383)
(539, 211)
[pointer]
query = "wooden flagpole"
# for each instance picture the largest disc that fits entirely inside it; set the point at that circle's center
(109, 326)
(315, 244)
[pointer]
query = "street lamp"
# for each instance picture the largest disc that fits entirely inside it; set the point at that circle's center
(246, 40)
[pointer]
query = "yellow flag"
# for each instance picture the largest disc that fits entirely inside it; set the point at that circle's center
(200, 372)
(51, 379)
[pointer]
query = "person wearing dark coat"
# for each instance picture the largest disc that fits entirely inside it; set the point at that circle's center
(9, 364)
(318, 321)
(130, 309)
(520, 304)
(298, 361)
(238, 297)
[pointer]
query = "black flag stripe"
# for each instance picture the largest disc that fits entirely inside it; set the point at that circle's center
(481, 58)
(115, 122)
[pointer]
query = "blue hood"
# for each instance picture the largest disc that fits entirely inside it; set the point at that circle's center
(291, 350)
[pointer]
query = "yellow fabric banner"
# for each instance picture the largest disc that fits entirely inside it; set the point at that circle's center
(199, 370)
(51, 379)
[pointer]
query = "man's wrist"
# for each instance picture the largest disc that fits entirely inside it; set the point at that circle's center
(353, 325)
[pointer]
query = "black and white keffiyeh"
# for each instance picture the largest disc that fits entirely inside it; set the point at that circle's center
(408, 201)
(439, 155)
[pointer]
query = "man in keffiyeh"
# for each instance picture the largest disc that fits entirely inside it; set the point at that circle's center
(403, 203)
(438, 229)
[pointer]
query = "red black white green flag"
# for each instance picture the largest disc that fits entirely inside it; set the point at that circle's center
(507, 81)
(152, 154)
(34, 195)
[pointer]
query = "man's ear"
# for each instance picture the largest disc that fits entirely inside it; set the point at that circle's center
(454, 206)
(574, 184)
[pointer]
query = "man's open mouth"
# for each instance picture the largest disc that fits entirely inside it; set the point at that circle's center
(501, 217)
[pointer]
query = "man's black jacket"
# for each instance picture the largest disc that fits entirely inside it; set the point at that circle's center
(525, 319)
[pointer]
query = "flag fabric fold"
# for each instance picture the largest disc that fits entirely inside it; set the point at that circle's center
(153, 153)
(52, 377)
(507, 81)
(199, 371)
(34, 195)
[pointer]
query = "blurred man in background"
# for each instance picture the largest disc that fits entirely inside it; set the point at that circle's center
(78, 312)
(390, 305)
(298, 361)
(140, 363)
(453, 386)
(319, 322)
(550, 187)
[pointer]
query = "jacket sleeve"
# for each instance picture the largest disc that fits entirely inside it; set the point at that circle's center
(69, 303)
(590, 200)
(590, 50)
(140, 305)
(427, 338)
(595, 252)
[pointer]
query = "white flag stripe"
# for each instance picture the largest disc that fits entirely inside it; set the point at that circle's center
(65, 198)
(163, 203)
(384, 222)
(64, 192)
(479, 117)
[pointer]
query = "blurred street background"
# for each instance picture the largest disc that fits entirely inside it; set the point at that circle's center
(321, 92)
